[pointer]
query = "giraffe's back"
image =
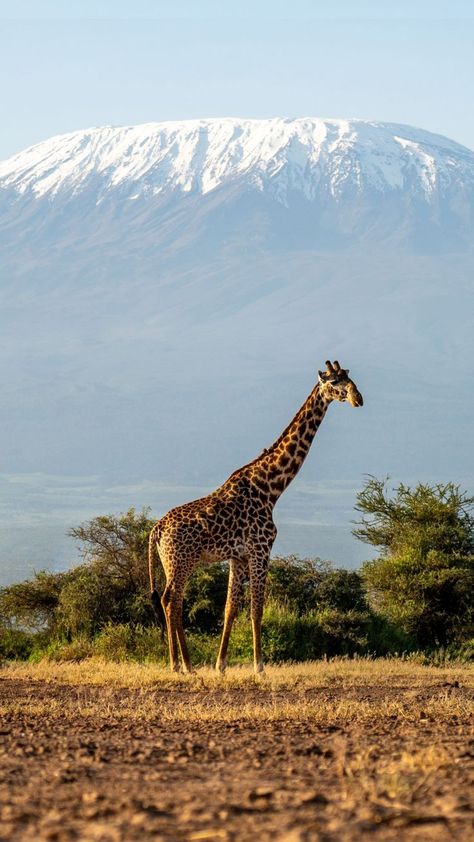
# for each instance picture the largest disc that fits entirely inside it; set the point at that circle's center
(203, 531)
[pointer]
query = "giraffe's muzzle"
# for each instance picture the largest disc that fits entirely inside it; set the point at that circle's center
(355, 398)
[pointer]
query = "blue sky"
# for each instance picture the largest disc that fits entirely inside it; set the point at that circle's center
(66, 64)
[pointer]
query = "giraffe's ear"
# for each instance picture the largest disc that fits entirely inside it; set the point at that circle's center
(321, 375)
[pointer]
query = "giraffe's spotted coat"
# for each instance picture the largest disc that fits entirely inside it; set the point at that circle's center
(235, 522)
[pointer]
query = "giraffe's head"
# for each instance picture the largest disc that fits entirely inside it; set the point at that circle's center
(336, 385)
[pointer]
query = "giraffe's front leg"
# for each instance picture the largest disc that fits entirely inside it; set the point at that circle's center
(237, 574)
(258, 573)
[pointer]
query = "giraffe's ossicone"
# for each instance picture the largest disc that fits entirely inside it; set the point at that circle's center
(235, 523)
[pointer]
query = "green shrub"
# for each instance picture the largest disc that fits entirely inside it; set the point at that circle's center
(16, 644)
(462, 652)
(342, 590)
(343, 632)
(125, 643)
(294, 581)
(115, 642)
(309, 584)
(203, 648)
(205, 596)
(147, 645)
(385, 638)
(288, 636)
(63, 650)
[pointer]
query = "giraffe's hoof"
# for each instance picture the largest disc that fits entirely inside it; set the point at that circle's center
(259, 669)
(221, 667)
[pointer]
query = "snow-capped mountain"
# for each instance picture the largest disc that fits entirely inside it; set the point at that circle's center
(343, 181)
(307, 156)
(168, 292)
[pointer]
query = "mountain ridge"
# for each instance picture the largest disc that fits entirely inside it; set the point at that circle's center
(303, 154)
(275, 184)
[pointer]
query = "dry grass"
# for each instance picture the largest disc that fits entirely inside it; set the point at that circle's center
(302, 676)
(324, 693)
(319, 713)
(399, 779)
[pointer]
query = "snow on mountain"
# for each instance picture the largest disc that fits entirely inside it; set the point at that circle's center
(343, 181)
(305, 155)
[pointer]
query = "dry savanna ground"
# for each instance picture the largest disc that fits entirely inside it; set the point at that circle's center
(346, 750)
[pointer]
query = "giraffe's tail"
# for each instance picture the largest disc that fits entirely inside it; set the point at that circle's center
(154, 595)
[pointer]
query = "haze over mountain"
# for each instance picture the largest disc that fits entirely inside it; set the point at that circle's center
(169, 290)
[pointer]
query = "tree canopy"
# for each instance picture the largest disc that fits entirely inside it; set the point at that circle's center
(424, 577)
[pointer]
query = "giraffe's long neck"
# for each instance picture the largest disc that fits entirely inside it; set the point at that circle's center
(278, 465)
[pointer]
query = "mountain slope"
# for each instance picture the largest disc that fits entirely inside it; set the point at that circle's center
(340, 179)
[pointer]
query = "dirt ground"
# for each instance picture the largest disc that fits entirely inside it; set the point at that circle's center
(102, 763)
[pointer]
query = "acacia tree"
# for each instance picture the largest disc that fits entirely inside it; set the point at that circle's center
(424, 578)
(118, 546)
(110, 585)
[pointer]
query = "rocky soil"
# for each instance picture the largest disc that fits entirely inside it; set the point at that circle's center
(100, 763)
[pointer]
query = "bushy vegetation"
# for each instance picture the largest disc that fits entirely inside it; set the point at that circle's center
(423, 581)
(418, 594)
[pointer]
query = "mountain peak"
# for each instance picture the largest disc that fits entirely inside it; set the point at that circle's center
(310, 156)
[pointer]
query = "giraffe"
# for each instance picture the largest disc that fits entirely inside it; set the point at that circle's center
(235, 524)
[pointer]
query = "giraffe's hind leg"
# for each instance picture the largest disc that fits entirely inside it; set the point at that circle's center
(187, 666)
(172, 603)
(237, 574)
